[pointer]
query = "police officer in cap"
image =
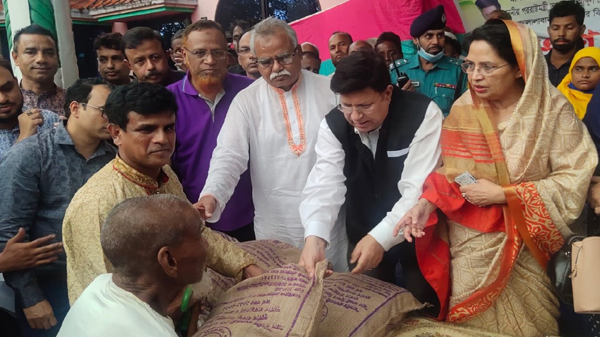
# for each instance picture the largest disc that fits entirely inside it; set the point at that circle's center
(433, 74)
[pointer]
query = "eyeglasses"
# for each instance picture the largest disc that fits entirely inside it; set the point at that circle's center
(486, 69)
(201, 54)
(101, 109)
(364, 109)
(283, 59)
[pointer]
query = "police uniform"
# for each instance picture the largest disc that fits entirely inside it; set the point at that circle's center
(445, 82)
(440, 83)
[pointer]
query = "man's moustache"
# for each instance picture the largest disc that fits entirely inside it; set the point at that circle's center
(152, 73)
(281, 73)
(7, 104)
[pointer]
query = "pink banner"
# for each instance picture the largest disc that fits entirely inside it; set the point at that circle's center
(365, 19)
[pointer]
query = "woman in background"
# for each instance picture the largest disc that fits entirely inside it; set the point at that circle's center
(582, 79)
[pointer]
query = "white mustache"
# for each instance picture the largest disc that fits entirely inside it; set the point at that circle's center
(281, 73)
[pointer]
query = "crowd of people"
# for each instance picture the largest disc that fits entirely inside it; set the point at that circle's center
(455, 173)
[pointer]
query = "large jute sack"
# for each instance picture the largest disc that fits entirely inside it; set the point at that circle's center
(269, 254)
(281, 302)
(359, 305)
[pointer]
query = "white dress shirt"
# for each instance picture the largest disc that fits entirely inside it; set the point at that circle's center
(104, 309)
(277, 132)
(325, 189)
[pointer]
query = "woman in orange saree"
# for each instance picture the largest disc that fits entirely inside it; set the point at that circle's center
(485, 250)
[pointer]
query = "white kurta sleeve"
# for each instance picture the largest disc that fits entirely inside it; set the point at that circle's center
(325, 189)
(230, 157)
(423, 157)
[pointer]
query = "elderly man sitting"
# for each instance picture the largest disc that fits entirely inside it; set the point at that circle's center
(156, 248)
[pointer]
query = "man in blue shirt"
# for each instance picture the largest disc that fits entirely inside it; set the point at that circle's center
(16, 124)
(432, 73)
(38, 178)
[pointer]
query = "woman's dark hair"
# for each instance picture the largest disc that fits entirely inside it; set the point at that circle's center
(496, 34)
(360, 70)
(80, 91)
(142, 98)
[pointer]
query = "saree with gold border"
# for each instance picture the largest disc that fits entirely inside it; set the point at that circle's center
(543, 157)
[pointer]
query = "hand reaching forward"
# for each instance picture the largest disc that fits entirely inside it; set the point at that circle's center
(413, 222)
(206, 206)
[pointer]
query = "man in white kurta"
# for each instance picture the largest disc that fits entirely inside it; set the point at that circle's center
(104, 309)
(273, 124)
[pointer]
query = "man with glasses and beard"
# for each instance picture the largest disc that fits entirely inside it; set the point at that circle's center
(432, 73)
(147, 57)
(203, 97)
(274, 123)
(565, 32)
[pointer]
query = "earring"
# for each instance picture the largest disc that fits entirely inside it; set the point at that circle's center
(520, 76)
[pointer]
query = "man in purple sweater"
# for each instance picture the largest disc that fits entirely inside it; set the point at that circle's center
(203, 97)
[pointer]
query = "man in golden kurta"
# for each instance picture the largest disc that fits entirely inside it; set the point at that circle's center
(142, 124)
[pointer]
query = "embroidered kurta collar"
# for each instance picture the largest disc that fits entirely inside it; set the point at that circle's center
(297, 149)
(138, 178)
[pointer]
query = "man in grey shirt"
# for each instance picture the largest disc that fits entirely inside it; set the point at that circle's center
(15, 123)
(38, 178)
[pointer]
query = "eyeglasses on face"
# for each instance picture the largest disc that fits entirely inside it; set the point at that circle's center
(283, 59)
(485, 69)
(363, 109)
(201, 54)
(101, 109)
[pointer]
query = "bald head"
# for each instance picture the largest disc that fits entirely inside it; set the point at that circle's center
(137, 229)
(360, 45)
(338, 46)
